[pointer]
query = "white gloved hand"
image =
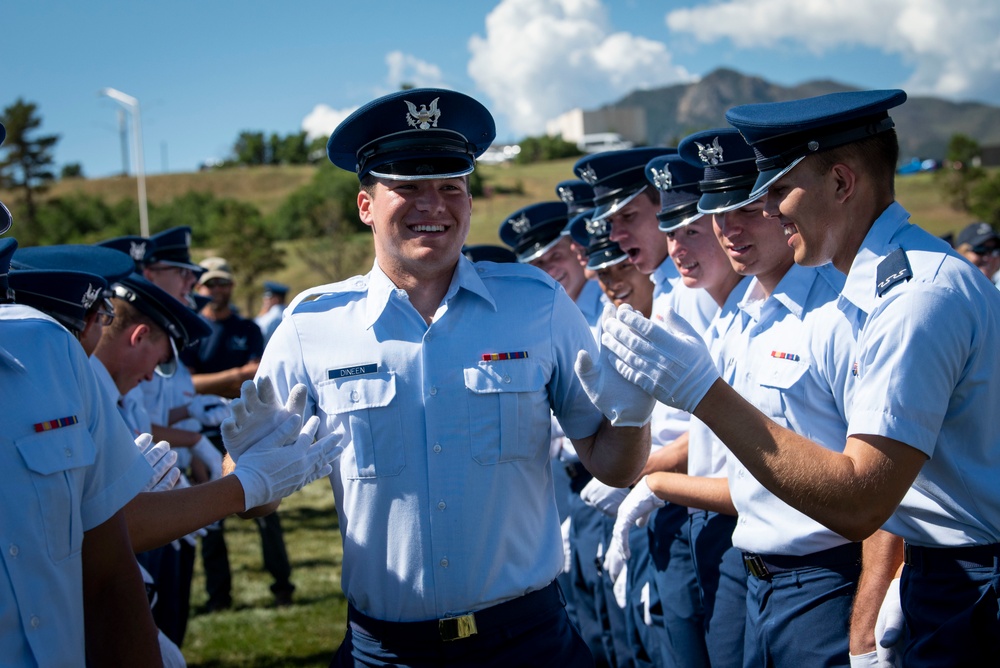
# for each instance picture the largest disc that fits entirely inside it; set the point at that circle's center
(615, 558)
(624, 404)
(635, 509)
(669, 361)
(603, 497)
(270, 470)
(208, 409)
(162, 459)
(565, 527)
(257, 413)
(210, 455)
(889, 628)
(620, 588)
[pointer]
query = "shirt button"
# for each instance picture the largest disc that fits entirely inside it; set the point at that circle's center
(69, 453)
(35, 622)
(355, 396)
(741, 473)
(506, 379)
(434, 391)
(13, 550)
(359, 284)
(437, 447)
(444, 563)
(480, 270)
(441, 505)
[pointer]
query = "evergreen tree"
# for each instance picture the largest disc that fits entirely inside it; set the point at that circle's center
(27, 161)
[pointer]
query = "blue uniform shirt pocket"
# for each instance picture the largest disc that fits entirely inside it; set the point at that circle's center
(52, 457)
(367, 404)
(508, 410)
(777, 378)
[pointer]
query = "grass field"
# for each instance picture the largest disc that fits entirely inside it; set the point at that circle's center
(254, 634)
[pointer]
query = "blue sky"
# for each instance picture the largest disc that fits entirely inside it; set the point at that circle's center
(204, 71)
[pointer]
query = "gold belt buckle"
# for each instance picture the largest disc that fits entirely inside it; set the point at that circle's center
(456, 628)
(755, 566)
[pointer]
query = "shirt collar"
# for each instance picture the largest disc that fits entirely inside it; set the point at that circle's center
(859, 288)
(666, 271)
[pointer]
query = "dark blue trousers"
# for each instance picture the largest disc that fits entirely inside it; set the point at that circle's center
(722, 582)
(589, 588)
(950, 603)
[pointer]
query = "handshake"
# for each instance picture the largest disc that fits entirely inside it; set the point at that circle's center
(641, 363)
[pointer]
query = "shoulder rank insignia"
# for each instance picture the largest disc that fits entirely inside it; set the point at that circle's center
(892, 270)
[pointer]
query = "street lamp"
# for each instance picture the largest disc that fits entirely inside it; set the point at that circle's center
(132, 105)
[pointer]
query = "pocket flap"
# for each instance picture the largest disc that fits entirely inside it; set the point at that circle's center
(350, 394)
(506, 376)
(62, 449)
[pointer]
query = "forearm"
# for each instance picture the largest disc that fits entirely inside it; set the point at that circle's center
(177, 438)
(671, 457)
(117, 621)
(692, 491)
(156, 518)
(882, 555)
(225, 383)
(178, 413)
(615, 455)
(852, 493)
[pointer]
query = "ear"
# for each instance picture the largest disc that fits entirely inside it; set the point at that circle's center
(365, 208)
(139, 333)
(844, 181)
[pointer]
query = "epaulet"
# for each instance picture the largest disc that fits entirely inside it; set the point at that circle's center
(892, 270)
(513, 270)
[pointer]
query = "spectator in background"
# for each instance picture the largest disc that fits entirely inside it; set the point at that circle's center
(219, 364)
(271, 308)
(980, 244)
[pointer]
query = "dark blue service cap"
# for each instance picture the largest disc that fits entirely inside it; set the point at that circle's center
(181, 324)
(140, 249)
(578, 196)
(64, 295)
(593, 236)
(7, 248)
(534, 229)
(783, 133)
(677, 183)
(5, 218)
(729, 168)
(173, 247)
(488, 253)
(616, 176)
(409, 135)
(276, 289)
(111, 265)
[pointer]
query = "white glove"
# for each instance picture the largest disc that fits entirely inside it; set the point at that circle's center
(210, 455)
(623, 403)
(670, 362)
(620, 588)
(614, 560)
(257, 413)
(603, 497)
(889, 628)
(635, 509)
(208, 409)
(162, 459)
(869, 660)
(567, 551)
(282, 463)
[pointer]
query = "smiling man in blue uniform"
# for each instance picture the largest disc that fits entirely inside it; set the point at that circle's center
(443, 375)
(921, 455)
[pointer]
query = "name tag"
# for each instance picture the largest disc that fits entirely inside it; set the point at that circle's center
(351, 371)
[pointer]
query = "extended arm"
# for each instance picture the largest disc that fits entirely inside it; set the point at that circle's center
(615, 455)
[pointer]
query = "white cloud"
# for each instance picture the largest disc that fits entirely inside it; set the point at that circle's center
(540, 58)
(951, 46)
(323, 119)
(404, 68)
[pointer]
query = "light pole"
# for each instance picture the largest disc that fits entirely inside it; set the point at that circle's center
(132, 105)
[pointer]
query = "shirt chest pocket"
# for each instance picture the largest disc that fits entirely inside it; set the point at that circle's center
(778, 378)
(367, 404)
(54, 458)
(508, 411)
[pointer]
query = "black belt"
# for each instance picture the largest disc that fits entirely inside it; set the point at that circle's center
(943, 558)
(763, 566)
(516, 611)
(579, 476)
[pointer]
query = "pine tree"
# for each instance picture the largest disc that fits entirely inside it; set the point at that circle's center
(27, 161)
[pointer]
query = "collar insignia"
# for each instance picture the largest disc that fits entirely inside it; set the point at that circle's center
(589, 175)
(521, 224)
(423, 117)
(710, 155)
